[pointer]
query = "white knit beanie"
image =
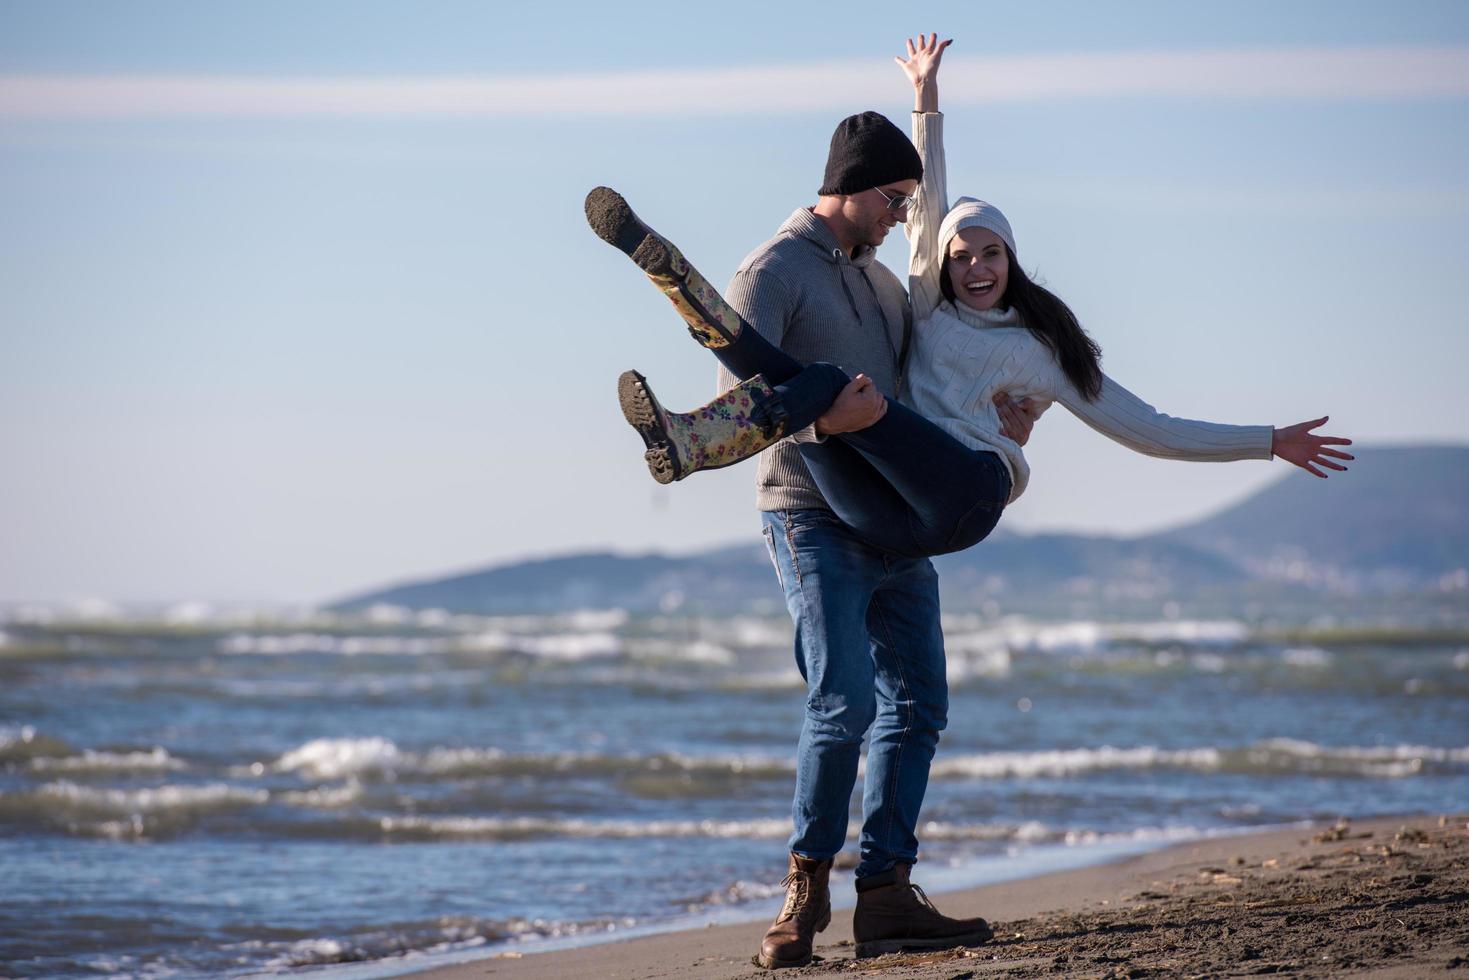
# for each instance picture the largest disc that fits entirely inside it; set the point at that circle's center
(969, 212)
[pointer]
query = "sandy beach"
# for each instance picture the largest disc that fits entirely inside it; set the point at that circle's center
(1378, 898)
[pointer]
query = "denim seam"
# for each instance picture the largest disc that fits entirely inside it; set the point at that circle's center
(892, 789)
(774, 558)
(785, 521)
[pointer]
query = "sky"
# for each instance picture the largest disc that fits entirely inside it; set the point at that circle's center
(297, 299)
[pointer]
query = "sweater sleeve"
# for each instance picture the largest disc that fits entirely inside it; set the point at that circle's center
(926, 215)
(1123, 417)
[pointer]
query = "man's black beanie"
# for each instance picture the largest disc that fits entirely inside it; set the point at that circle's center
(868, 151)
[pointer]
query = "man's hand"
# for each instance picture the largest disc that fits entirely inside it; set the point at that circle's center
(859, 405)
(1017, 418)
(1297, 445)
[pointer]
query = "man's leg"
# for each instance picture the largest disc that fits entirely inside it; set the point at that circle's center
(828, 577)
(912, 696)
(912, 709)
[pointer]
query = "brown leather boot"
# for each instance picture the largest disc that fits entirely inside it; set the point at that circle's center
(807, 911)
(894, 915)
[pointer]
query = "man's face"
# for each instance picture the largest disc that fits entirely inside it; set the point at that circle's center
(870, 216)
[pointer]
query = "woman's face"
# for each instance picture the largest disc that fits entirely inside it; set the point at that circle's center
(978, 268)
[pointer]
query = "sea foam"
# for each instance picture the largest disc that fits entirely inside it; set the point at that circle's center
(156, 759)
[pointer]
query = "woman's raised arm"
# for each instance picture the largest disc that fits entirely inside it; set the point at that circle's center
(932, 203)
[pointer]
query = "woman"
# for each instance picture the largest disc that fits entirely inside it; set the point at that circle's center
(935, 477)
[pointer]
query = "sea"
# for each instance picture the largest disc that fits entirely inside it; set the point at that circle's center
(195, 792)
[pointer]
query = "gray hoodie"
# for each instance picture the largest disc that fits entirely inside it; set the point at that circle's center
(804, 294)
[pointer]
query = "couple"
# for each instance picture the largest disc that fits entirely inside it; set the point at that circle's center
(858, 490)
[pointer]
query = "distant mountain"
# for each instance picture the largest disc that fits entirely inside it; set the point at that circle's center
(1400, 516)
(1053, 565)
(1398, 521)
(737, 577)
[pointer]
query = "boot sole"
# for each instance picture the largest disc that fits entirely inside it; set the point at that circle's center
(614, 221)
(881, 947)
(641, 410)
(775, 963)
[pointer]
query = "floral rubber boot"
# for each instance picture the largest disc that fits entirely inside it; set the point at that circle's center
(733, 427)
(712, 321)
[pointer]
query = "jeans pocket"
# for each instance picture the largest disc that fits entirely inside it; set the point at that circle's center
(769, 533)
(807, 519)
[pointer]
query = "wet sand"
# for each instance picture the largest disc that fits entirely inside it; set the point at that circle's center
(1382, 898)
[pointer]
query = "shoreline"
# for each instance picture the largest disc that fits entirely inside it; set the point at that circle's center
(1158, 913)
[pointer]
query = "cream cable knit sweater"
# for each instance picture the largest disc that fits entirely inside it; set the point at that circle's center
(962, 357)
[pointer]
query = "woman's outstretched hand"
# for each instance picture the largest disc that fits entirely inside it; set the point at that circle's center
(922, 68)
(1297, 444)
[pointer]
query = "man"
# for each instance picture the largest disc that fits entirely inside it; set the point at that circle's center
(868, 640)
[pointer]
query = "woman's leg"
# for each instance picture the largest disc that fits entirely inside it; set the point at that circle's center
(907, 486)
(902, 483)
(749, 354)
(713, 322)
(737, 425)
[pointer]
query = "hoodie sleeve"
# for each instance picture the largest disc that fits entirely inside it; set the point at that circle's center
(926, 215)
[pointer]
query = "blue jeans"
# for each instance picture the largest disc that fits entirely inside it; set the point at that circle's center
(903, 484)
(869, 645)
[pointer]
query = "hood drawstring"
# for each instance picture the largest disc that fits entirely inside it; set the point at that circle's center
(887, 328)
(840, 262)
(842, 278)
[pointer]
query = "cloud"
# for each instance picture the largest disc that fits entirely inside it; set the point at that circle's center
(1409, 72)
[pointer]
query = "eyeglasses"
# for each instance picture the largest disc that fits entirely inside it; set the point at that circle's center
(896, 202)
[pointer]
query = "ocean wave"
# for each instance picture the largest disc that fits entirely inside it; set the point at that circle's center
(419, 828)
(526, 828)
(288, 644)
(1309, 657)
(1278, 756)
(780, 679)
(1069, 762)
(337, 758)
(379, 758)
(444, 936)
(122, 814)
(1382, 761)
(1091, 636)
(568, 647)
(156, 799)
(550, 646)
(323, 797)
(1080, 837)
(699, 651)
(90, 761)
(23, 744)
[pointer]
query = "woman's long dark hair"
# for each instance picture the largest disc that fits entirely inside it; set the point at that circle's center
(1051, 322)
